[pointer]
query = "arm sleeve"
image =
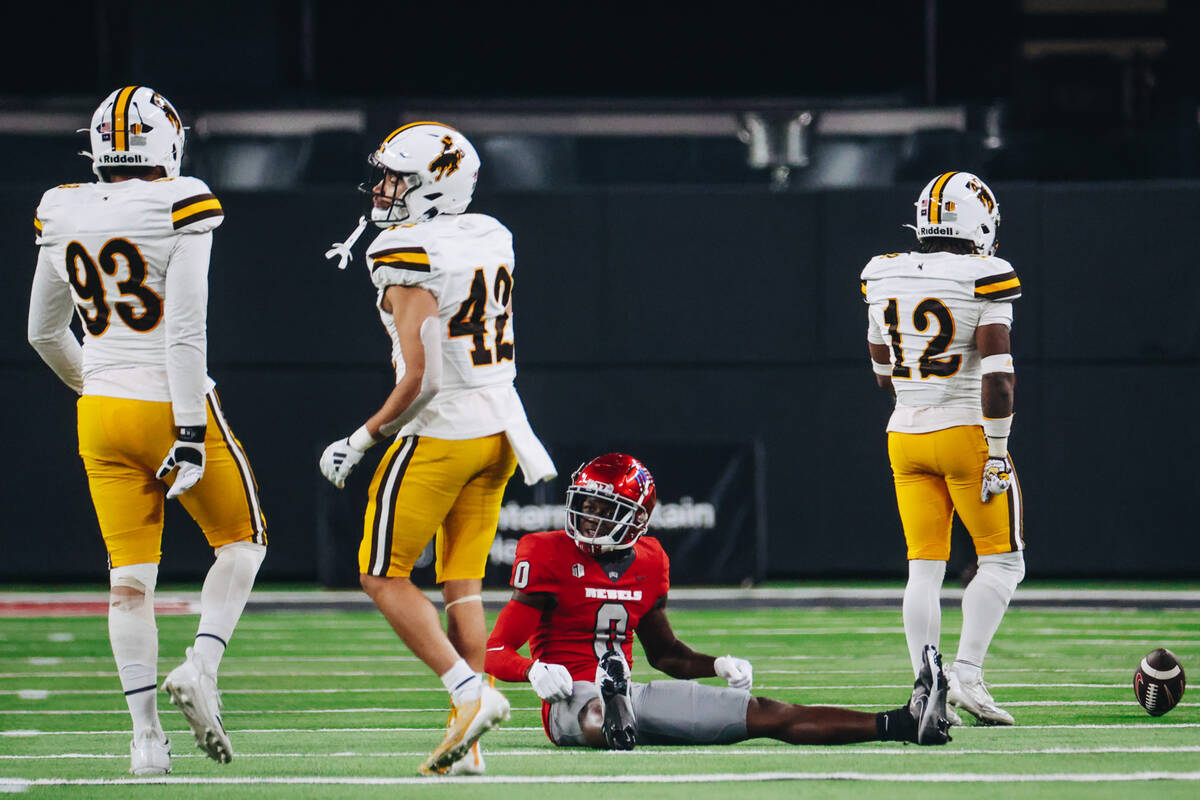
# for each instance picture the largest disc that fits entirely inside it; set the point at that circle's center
(514, 626)
(186, 311)
(50, 310)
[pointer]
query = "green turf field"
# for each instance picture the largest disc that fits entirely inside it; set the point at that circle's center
(330, 705)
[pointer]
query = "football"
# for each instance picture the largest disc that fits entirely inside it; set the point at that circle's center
(1159, 682)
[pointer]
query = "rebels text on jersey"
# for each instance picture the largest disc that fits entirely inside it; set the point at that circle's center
(594, 610)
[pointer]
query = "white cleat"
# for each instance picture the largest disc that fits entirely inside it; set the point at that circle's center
(471, 720)
(952, 717)
(195, 693)
(470, 764)
(150, 754)
(973, 697)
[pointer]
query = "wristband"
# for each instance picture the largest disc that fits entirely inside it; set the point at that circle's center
(881, 369)
(361, 440)
(190, 433)
(1001, 362)
(996, 432)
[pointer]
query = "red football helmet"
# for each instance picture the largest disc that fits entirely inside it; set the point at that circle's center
(609, 503)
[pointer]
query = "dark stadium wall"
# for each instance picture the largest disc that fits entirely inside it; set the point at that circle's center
(672, 316)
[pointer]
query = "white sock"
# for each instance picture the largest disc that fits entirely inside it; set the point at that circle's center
(462, 682)
(984, 602)
(226, 590)
(134, 638)
(923, 607)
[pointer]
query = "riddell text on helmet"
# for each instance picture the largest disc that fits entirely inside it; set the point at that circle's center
(120, 158)
(936, 230)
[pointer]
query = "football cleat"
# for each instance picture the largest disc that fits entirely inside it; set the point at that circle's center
(470, 764)
(195, 693)
(150, 754)
(468, 722)
(928, 703)
(973, 697)
(620, 725)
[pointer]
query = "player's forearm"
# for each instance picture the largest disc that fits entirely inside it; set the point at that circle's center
(50, 310)
(514, 626)
(997, 394)
(64, 356)
(399, 401)
(681, 661)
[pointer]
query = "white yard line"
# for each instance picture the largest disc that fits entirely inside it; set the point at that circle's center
(611, 778)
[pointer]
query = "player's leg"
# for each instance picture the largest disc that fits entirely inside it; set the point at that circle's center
(115, 440)
(412, 492)
(996, 529)
(926, 514)
(463, 545)
(225, 505)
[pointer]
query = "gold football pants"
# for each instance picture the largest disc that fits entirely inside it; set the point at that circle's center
(123, 442)
(941, 472)
(451, 488)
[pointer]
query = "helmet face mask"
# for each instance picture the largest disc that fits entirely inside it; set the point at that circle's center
(434, 167)
(959, 205)
(136, 126)
(609, 503)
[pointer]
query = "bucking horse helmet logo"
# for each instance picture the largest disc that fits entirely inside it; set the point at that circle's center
(447, 161)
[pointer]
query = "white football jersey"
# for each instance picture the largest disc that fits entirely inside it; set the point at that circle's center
(113, 243)
(925, 307)
(466, 261)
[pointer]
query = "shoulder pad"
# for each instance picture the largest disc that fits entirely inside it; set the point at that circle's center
(997, 281)
(400, 248)
(45, 213)
(196, 209)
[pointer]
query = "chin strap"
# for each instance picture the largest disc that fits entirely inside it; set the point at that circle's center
(341, 250)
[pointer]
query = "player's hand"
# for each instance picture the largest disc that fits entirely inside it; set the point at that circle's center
(737, 672)
(997, 477)
(339, 460)
(186, 456)
(552, 682)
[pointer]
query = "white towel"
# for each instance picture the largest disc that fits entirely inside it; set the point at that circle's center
(536, 465)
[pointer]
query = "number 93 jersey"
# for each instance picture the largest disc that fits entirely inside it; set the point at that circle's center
(466, 261)
(926, 307)
(113, 243)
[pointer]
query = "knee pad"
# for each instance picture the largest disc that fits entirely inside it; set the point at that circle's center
(1004, 570)
(245, 552)
(141, 578)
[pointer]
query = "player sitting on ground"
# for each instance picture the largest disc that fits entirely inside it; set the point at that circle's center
(580, 594)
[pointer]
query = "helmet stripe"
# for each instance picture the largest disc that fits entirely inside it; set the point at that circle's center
(392, 135)
(121, 118)
(935, 197)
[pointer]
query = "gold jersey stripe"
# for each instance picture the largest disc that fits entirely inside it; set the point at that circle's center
(37, 223)
(120, 118)
(389, 137)
(935, 197)
(196, 208)
(993, 288)
(406, 258)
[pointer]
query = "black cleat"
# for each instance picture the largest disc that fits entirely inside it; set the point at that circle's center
(928, 704)
(620, 725)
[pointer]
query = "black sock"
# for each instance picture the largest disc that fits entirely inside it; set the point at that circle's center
(896, 725)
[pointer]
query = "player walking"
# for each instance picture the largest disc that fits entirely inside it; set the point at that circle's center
(129, 254)
(445, 285)
(938, 333)
(581, 594)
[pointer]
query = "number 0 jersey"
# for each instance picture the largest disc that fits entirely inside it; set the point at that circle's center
(926, 307)
(466, 261)
(594, 610)
(114, 244)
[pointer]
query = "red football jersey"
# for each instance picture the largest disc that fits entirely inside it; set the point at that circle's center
(595, 610)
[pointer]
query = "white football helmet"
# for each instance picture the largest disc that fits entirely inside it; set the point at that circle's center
(437, 167)
(136, 126)
(959, 205)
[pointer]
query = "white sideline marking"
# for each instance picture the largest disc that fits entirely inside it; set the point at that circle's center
(719, 777)
(28, 733)
(256, 711)
(789, 752)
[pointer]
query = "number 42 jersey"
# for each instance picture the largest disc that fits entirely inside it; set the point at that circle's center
(926, 308)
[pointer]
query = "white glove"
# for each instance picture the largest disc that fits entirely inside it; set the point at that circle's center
(736, 671)
(339, 460)
(997, 477)
(552, 682)
(186, 455)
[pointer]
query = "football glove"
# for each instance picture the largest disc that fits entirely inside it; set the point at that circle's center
(339, 460)
(997, 477)
(187, 456)
(737, 672)
(552, 682)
